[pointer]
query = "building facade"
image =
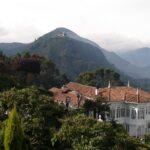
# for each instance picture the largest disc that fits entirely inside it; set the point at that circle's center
(128, 106)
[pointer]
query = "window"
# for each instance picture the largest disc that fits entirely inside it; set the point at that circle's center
(127, 112)
(122, 112)
(148, 110)
(112, 113)
(127, 127)
(118, 112)
(68, 101)
(148, 125)
(141, 113)
(133, 113)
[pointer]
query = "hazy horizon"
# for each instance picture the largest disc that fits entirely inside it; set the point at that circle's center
(113, 24)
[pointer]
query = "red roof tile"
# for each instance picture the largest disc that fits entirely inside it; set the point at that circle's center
(113, 94)
(60, 97)
(87, 91)
(128, 94)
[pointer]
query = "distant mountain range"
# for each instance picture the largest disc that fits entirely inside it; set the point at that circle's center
(12, 48)
(123, 65)
(73, 54)
(139, 57)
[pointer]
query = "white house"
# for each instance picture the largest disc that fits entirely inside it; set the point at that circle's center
(128, 106)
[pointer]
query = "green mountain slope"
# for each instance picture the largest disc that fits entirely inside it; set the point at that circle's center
(71, 56)
(11, 49)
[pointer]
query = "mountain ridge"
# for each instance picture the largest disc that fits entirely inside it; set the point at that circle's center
(62, 45)
(138, 57)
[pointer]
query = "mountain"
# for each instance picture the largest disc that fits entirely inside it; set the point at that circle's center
(126, 67)
(64, 32)
(139, 57)
(71, 53)
(12, 48)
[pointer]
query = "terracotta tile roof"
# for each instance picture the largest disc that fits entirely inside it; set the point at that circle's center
(60, 97)
(87, 91)
(113, 94)
(121, 93)
(128, 94)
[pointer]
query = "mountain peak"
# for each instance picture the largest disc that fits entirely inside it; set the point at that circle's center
(62, 32)
(63, 29)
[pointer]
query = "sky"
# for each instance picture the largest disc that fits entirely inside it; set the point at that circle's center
(116, 25)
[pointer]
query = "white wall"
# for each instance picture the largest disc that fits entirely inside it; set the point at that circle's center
(137, 126)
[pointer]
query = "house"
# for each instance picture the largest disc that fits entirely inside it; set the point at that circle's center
(128, 106)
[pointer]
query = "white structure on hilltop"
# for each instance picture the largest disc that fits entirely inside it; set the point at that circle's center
(128, 106)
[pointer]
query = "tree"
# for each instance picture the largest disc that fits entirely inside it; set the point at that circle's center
(99, 106)
(50, 76)
(85, 133)
(100, 78)
(2, 125)
(39, 114)
(147, 140)
(13, 137)
(28, 65)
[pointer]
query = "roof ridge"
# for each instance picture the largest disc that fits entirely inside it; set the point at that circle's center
(82, 84)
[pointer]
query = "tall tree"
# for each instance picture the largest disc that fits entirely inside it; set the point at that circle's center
(13, 137)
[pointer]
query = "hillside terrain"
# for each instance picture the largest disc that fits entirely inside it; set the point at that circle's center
(70, 56)
(132, 70)
(73, 54)
(139, 57)
(11, 49)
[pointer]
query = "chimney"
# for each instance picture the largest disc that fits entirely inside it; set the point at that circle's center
(128, 85)
(96, 91)
(109, 88)
(137, 93)
(109, 85)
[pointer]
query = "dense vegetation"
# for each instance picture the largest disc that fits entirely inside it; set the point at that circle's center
(30, 119)
(25, 70)
(100, 78)
(85, 133)
(70, 56)
(45, 125)
(39, 116)
(13, 136)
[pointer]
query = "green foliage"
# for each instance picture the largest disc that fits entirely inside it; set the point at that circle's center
(2, 135)
(6, 82)
(84, 133)
(50, 76)
(99, 106)
(70, 56)
(39, 113)
(26, 70)
(100, 78)
(13, 137)
(147, 140)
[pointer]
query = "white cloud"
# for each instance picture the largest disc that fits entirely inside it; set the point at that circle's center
(3, 31)
(116, 42)
(27, 19)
